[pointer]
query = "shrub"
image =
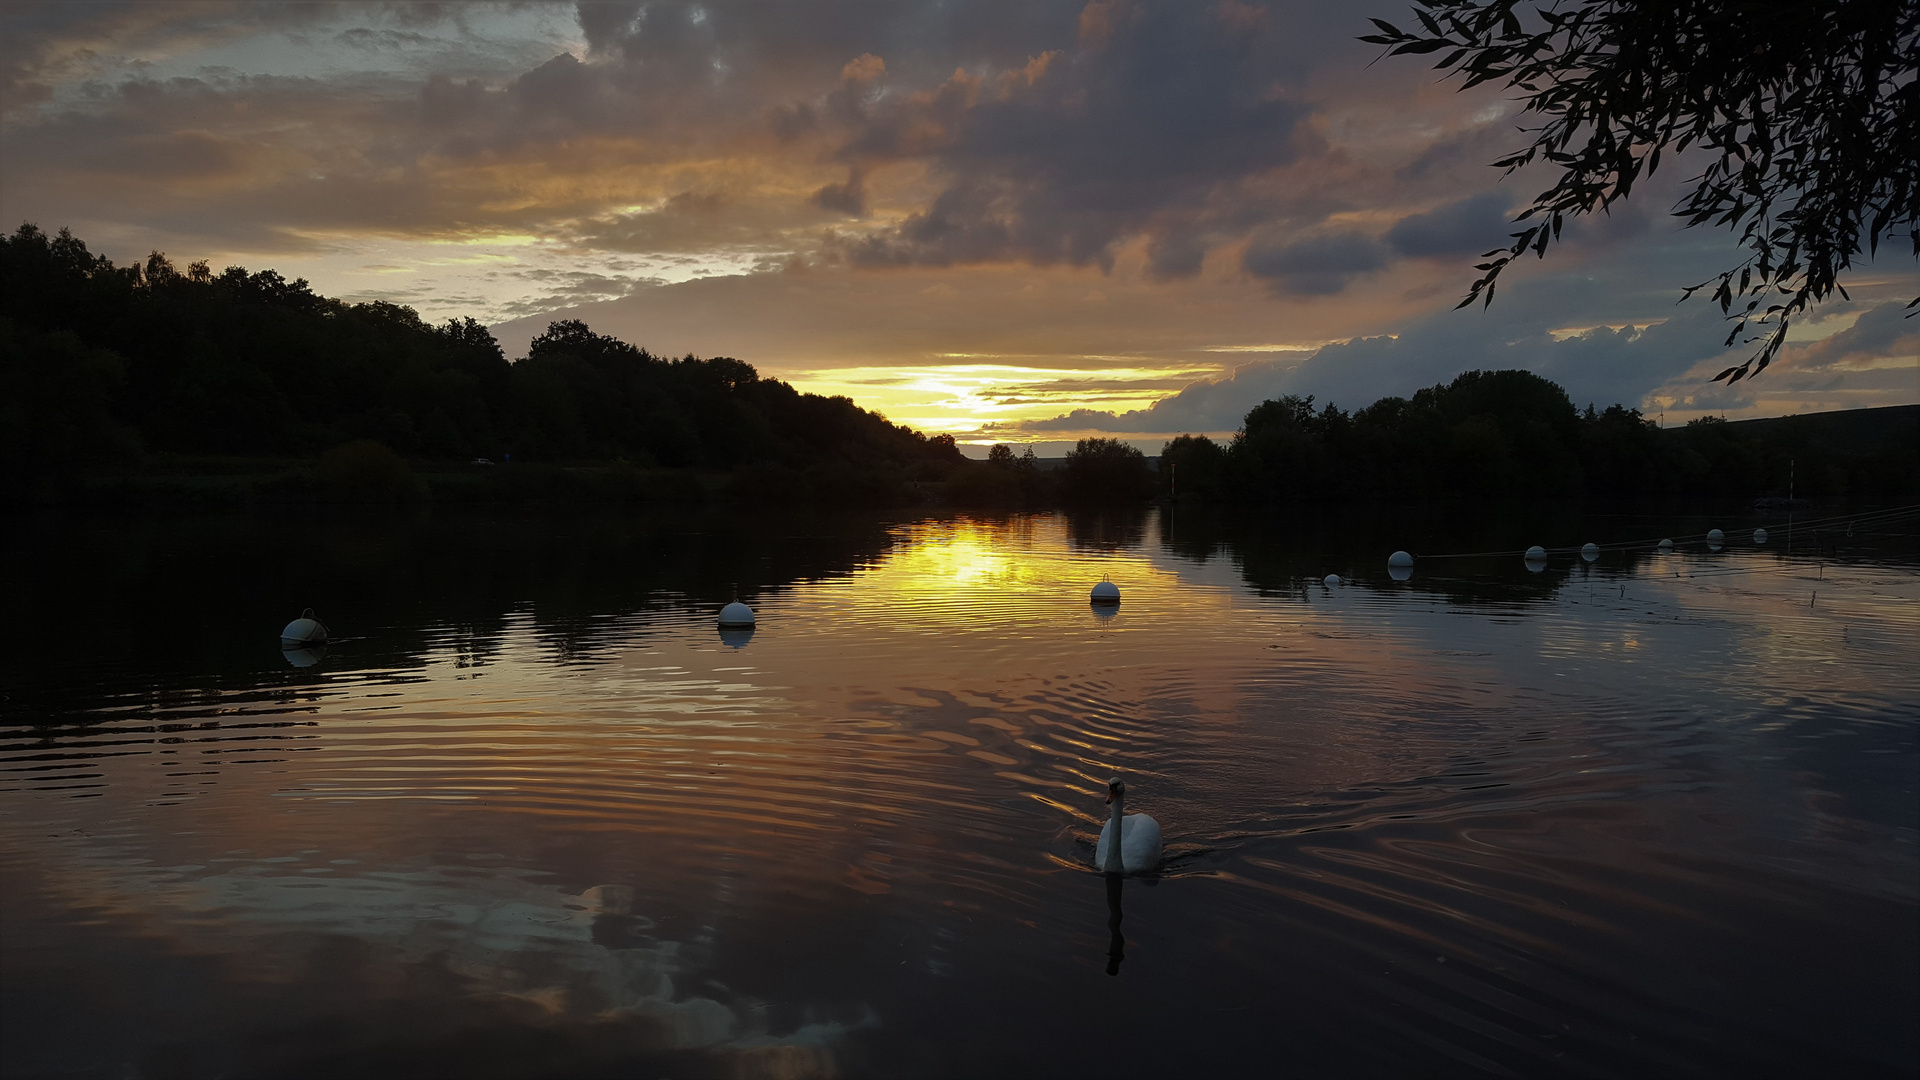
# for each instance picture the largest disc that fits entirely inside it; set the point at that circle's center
(366, 471)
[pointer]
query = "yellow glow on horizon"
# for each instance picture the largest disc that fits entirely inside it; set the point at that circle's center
(488, 240)
(965, 399)
(1308, 347)
(1880, 363)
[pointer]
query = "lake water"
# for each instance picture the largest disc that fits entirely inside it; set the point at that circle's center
(530, 815)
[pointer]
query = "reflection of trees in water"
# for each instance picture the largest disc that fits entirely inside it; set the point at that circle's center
(193, 603)
(1283, 550)
(181, 612)
(1108, 529)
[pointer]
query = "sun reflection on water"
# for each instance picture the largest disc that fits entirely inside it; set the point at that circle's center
(965, 557)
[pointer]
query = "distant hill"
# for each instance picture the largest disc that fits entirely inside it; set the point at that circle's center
(1848, 451)
(1848, 430)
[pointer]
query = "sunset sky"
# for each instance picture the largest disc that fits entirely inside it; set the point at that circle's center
(1022, 222)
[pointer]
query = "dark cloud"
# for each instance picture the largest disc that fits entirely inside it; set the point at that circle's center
(1876, 361)
(1052, 133)
(1080, 420)
(1138, 129)
(1316, 266)
(1463, 155)
(687, 222)
(1878, 332)
(847, 198)
(45, 45)
(568, 289)
(1175, 255)
(362, 37)
(1473, 225)
(610, 25)
(792, 120)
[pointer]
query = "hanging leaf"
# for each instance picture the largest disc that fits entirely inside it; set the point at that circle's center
(1809, 115)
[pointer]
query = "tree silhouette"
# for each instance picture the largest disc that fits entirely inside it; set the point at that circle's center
(1805, 117)
(239, 363)
(1106, 470)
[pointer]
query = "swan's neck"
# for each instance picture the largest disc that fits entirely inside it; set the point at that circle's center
(1114, 863)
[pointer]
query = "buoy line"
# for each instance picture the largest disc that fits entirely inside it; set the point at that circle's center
(1796, 566)
(1875, 517)
(1722, 571)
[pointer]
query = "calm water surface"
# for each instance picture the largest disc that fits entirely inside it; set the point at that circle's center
(532, 815)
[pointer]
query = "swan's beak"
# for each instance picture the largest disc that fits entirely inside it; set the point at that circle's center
(1109, 798)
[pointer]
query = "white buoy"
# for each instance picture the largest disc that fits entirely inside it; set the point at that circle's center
(1400, 573)
(1714, 536)
(1331, 581)
(1106, 592)
(1666, 545)
(736, 614)
(1759, 536)
(1536, 553)
(1400, 558)
(303, 632)
(1590, 552)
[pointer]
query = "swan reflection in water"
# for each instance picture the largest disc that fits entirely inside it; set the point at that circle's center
(1129, 844)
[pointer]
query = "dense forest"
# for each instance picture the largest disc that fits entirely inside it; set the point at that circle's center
(113, 374)
(1485, 435)
(1513, 434)
(102, 364)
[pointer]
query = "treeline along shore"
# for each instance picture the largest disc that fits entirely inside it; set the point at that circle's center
(254, 385)
(152, 383)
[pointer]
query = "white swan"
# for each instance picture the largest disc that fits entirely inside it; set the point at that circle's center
(1139, 848)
